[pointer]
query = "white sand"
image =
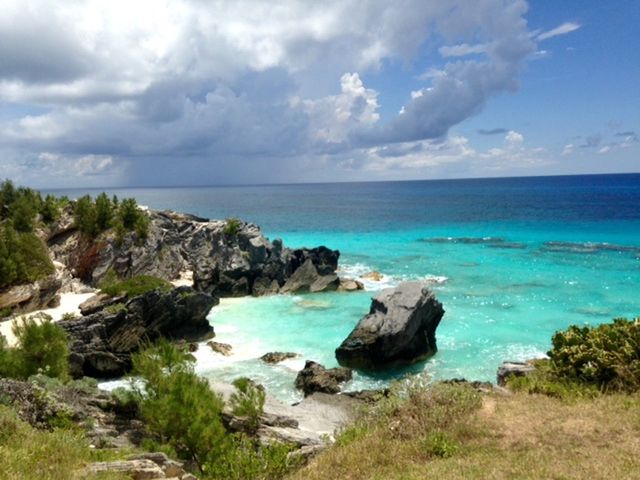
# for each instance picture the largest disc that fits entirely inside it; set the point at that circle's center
(69, 303)
(184, 280)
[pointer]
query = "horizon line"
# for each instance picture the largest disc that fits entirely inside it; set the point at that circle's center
(346, 182)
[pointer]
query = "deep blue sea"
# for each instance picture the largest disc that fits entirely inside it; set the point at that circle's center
(512, 260)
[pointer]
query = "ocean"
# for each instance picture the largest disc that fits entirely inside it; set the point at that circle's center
(512, 260)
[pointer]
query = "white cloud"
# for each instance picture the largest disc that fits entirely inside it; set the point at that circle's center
(563, 29)
(175, 90)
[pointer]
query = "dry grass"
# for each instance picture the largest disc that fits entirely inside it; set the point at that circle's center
(508, 437)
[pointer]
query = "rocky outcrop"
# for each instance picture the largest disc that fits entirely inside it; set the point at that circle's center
(513, 369)
(350, 285)
(225, 263)
(33, 296)
(277, 357)
(400, 329)
(145, 466)
(107, 422)
(316, 378)
(101, 343)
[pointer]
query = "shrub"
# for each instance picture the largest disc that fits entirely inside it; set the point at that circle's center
(50, 209)
(178, 406)
(85, 216)
(248, 401)
(41, 348)
(128, 213)
(607, 355)
(134, 286)
(23, 257)
(232, 227)
(104, 212)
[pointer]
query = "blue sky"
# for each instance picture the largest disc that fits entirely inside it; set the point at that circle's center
(185, 92)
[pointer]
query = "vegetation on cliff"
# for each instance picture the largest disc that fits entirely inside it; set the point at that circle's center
(132, 287)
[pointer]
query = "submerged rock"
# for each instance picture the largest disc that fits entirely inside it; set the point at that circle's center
(221, 348)
(350, 285)
(400, 329)
(101, 343)
(374, 276)
(277, 357)
(316, 378)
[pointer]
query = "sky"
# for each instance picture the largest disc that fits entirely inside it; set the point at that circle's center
(105, 93)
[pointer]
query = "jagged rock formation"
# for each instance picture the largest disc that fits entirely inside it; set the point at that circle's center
(225, 263)
(400, 329)
(316, 378)
(102, 343)
(32, 296)
(277, 357)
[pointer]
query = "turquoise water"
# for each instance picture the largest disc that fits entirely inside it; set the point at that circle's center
(512, 260)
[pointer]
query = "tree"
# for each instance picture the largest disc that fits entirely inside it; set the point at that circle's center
(104, 212)
(85, 216)
(128, 213)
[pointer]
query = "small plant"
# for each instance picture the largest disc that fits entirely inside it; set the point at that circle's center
(69, 316)
(232, 227)
(115, 308)
(248, 401)
(440, 444)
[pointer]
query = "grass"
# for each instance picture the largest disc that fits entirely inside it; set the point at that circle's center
(523, 436)
(30, 454)
(134, 286)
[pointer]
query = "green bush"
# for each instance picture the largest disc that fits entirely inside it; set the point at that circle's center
(184, 414)
(248, 401)
(41, 348)
(133, 286)
(85, 216)
(232, 227)
(23, 257)
(607, 356)
(104, 212)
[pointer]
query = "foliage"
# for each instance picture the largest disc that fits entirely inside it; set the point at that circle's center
(232, 227)
(178, 406)
(93, 217)
(184, 414)
(133, 286)
(607, 356)
(85, 216)
(42, 347)
(23, 257)
(248, 401)
(104, 212)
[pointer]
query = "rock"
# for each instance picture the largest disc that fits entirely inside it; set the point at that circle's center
(136, 469)
(99, 302)
(102, 343)
(169, 467)
(374, 276)
(315, 378)
(399, 330)
(221, 348)
(307, 278)
(513, 369)
(244, 263)
(32, 296)
(277, 357)
(350, 285)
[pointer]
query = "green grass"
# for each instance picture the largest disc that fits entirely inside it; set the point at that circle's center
(132, 287)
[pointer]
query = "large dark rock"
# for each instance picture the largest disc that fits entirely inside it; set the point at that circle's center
(315, 378)
(400, 329)
(102, 343)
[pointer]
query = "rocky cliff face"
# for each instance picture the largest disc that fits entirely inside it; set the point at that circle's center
(101, 344)
(223, 263)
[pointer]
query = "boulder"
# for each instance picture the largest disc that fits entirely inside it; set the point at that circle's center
(399, 330)
(277, 357)
(32, 296)
(221, 348)
(101, 344)
(350, 285)
(374, 276)
(98, 302)
(513, 369)
(307, 278)
(316, 378)
(136, 469)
